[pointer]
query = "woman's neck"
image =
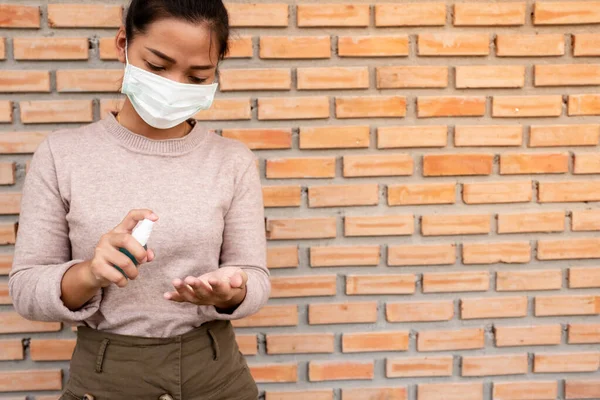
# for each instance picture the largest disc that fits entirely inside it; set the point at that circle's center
(130, 119)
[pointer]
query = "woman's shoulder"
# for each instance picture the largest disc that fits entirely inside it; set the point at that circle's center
(63, 142)
(232, 149)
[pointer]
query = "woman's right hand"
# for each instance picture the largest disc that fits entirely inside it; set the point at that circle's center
(102, 269)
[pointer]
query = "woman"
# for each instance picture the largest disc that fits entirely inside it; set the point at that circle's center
(158, 329)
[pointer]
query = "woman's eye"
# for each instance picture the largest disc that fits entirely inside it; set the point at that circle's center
(196, 80)
(155, 67)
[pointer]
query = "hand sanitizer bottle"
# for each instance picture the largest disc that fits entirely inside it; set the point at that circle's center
(141, 233)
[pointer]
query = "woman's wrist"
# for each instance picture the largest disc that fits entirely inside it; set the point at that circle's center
(229, 307)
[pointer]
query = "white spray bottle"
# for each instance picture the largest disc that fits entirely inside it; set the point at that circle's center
(141, 233)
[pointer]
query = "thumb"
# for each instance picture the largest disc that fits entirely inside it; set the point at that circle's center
(239, 280)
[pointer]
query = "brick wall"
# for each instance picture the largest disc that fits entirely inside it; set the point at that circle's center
(430, 176)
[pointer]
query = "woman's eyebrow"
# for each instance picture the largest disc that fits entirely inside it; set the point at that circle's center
(173, 61)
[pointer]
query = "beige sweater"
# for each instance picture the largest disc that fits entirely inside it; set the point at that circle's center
(82, 182)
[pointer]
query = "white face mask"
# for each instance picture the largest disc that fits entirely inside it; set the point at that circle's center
(161, 102)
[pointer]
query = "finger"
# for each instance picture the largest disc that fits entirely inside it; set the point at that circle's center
(174, 296)
(151, 255)
(127, 242)
(200, 286)
(110, 273)
(238, 280)
(221, 287)
(118, 259)
(133, 217)
(185, 291)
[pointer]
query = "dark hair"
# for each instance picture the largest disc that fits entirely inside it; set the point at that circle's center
(142, 13)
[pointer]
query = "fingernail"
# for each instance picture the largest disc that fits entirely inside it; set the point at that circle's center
(153, 216)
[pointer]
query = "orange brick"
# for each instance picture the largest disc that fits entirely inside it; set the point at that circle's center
(567, 305)
(255, 79)
(8, 233)
(282, 196)
(30, 380)
(464, 281)
(389, 137)
(567, 75)
(305, 167)
(343, 195)
(418, 367)
(527, 106)
(385, 225)
(52, 349)
(333, 78)
(585, 220)
(403, 77)
(10, 203)
(342, 313)
(107, 49)
(319, 371)
(534, 163)
(378, 165)
(566, 249)
(584, 104)
(566, 362)
(2, 48)
(541, 335)
(584, 333)
(530, 45)
(275, 373)
(420, 311)
(303, 286)
(261, 138)
(417, 194)
(457, 164)
(20, 142)
(336, 256)
(450, 391)
(24, 81)
(89, 80)
(322, 15)
(490, 76)
(282, 315)
(226, 110)
(282, 257)
(487, 136)
(257, 15)
(494, 253)
(432, 254)
(410, 14)
(84, 16)
(240, 47)
(277, 108)
(248, 344)
(19, 16)
(6, 261)
(453, 44)
(579, 389)
(375, 341)
(334, 137)
(295, 47)
(380, 284)
(11, 322)
(6, 112)
(531, 390)
(391, 393)
(586, 44)
(584, 277)
(497, 192)
(564, 135)
(493, 307)
(566, 12)
(450, 106)
(559, 192)
(326, 394)
(373, 46)
(432, 225)
(370, 107)
(489, 14)
(509, 364)
(586, 163)
(55, 111)
(52, 49)
(11, 350)
(300, 343)
(7, 173)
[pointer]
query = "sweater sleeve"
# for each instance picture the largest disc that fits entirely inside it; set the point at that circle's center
(43, 249)
(244, 245)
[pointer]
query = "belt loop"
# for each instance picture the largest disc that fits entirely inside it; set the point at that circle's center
(215, 344)
(100, 357)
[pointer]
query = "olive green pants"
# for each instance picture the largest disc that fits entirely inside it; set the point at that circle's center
(204, 364)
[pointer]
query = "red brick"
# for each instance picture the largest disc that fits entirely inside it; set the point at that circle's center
(390, 393)
(567, 305)
(531, 390)
(453, 44)
(30, 380)
(52, 349)
(11, 322)
(540, 335)
(564, 135)
(418, 194)
(403, 77)
(380, 284)
(106, 48)
(240, 47)
(584, 333)
(52, 49)
(530, 45)
(325, 394)
(534, 163)
(560, 192)
(6, 112)
(282, 196)
(494, 253)
(342, 313)
(24, 81)
(295, 47)
(20, 142)
(257, 15)
(2, 48)
(255, 79)
(418, 367)
(489, 14)
(457, 164)
(89, 80)
(474, 224)
(332, 78)
(282, 257)
(261, 138)
(370, 107)
(4, 294)
(490, 76)
(19, 16)
(8, 233)
(84, 16)
(306, 343)
(373, 46)
(493, 307)
(464, 281)
(432, 254)
(10, 203)
(226, 110)
(566, 362)
(343, 195)
(527, 106)
(282, 315)
(584, 277)
(303, 286)
(7, 173)
(497, 192)
(450, 106)
(375, 341)
(385, 225)
(323, 15)
(566, 249)
(6, 261)
(11, 350)
(334, 137)
(567, 75)
(389, 137)
(585, 220)
(494, 365)
(450, 391)
(338, 256)
(248, 344)
(378, 165)
(275, 373)
(566, 12)
(584, 104)
(586, 44)
(55, 111)
(277, 108)
(319, 371)
(420, 311)
(582, 389)
(410, 14)
(586, 163)
(306, 167)
(549, 279)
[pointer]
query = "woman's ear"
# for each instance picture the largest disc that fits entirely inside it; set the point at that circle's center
(121, 44)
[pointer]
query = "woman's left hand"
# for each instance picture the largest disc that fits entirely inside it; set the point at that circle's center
(224, 288)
